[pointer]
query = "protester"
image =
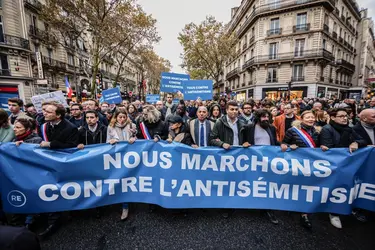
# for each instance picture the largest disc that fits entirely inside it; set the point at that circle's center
(372, 103)
(366, 127)
(160, 107)
(15, 104)
(200, 128)
(171, 108)
(121, 129)
(247, 113)
(322, 118)
(92, 104)
(338, 134)
(77, 117)
(284, 122)
(181, 111)
(6, 131)
(261, 133)
(93, 132)
(274, 113)
(150, 126)
(215, 113)
(30, 110)
(104, 107)
(223, 106)
(178, 131)
(302, 134)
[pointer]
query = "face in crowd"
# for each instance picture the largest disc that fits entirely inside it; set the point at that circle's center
(104, 107)
(91, 119)
(264, 121)
(31, 110)
(202, 113)
(175, 126)
(75, 111)
(232, 112)
(368, 116)
(317, 106)
(274, 112)
(288, 109)
(247, 109)
(91, 105)
(341, 118)
(169, 99)
(49, 113)
(121, 118)
(308, 119)
(159, 105)
(131, 109)
(19, 129)
(125, 103)
(180, 110)
(14, 107)
(215, 111)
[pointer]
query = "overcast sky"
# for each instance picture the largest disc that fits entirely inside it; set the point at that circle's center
(172, 15)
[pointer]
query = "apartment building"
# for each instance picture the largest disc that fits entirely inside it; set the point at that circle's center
(15, 69)
(308, 46)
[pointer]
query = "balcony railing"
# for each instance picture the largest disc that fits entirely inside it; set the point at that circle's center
(233, 73)
(42, 34)
(244, 46)
(298, 79)
(345, 64)
(15, 41)
(322, 78)
(336, 81)
(250, 82)
(330, 80)
(274, 32)
(301, 27)
(275, 6)
(5, 72)
(52, 62)
(252, 39)
(269, 80)
(248, 63)
(33, 4)
(243, 84)
(334, 35)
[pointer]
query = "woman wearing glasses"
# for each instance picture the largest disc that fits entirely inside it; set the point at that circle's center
(338, 134)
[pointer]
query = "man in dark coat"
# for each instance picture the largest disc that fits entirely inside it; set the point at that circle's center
(200, 128)
(93, 132)
(261, 132)
(57, 133)
(366, 128)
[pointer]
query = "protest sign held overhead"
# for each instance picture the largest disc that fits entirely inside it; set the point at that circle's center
(112, 96)
(198, 89)
(57, 96)
(173, 82)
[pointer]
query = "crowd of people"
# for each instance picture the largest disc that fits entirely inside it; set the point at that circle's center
(290, 124)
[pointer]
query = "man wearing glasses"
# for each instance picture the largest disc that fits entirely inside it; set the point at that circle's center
(247, 113)
(77, 116)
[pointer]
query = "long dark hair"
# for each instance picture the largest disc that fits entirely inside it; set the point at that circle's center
(4, 122)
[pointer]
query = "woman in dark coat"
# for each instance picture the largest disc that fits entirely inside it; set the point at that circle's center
(215, 113)
(302, 134)
(178, 131)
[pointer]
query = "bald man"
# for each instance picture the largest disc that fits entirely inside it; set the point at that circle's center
(200, 128)
(366, 128)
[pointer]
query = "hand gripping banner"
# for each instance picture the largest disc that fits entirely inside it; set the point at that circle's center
(37, 180)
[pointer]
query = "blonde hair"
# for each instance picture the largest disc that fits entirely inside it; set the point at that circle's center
(114, 118)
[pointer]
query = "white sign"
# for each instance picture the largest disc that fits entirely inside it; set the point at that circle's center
(57, 96)
(40, 65)
(42, 82)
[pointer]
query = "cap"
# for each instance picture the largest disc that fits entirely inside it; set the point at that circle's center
(175, 119)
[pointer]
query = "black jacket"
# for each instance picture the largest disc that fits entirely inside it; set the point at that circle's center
(330, 138)
(33, 139)
(159, 129)
(222, 133)
(248, 133)
(102, 119)
(359, 129)
(86, 137)
(291, 137)
(63, 135)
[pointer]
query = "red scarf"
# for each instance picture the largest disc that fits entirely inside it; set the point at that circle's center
(25, 135)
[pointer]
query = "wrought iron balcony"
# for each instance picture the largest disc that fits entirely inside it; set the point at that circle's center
(337, 11)
(336, 81)
(5, 72)
(345, 64)
(52, 63)
(298, 79)
(33, 4)
(44, 35)
(269, 80)
(248, 63)
(274, 32)
(301, 27)
(15, 41)
(233, 73)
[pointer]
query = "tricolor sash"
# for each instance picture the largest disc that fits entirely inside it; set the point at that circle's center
(43, 130)
(306, 138)
(145, 133)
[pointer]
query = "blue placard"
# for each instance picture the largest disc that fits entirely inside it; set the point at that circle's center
(39, 180)
(172, 82)
(152, 98)
(198, 89)
(112, 96)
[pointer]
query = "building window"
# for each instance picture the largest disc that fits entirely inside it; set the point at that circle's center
(273, 51)
(326, 19)
(4, 66)
(272, 75)
(275, 26)
(299, 47)
(70, 59)
(301, 19)
(324, 44)
(298, 74)
(333, 50)
(330, 72)
(274, 4)
(334, 26)
(49, 51)
(1, 29)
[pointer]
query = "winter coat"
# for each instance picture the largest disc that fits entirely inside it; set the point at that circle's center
(248, 133)
(194, 126)
(63, 135)
(6, 134)
(87, 137)
(183, 137)
(291, 136)
(223, 133)
(158, 129)
(330, 138)
(359, 129)
(32, 138)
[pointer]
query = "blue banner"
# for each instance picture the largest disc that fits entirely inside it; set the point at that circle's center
(198, 89)
(172, 82)
(112, 96)
(152, 98)
(35, 179)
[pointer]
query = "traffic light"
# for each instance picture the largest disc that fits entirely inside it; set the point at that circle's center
(99, 81)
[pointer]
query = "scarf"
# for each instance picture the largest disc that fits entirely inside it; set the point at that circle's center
(24, 136)
(123, 131)
(169, 108)
(247, 118)
(345, 134)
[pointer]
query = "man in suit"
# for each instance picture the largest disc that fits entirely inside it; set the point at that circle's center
(261, 133)
(366, 127)
(57, 133)
(200, 128)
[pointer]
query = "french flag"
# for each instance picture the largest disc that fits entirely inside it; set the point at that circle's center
(69, 90)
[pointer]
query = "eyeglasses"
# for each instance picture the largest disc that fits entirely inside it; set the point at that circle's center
(342, 116)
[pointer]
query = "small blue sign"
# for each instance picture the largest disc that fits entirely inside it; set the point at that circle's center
(152, 98)
(198, 89)
(175, 101)
(172, 82)
(112, 96)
